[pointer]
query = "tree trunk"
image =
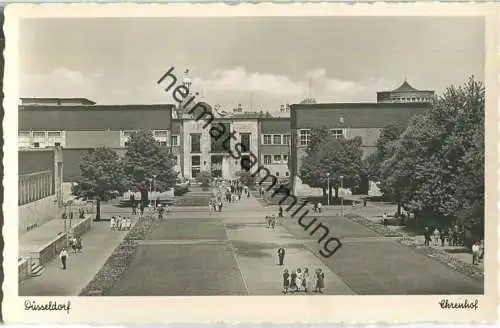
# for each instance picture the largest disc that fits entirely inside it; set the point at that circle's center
(399, 210)
(336, 192)
(98, 210)
(324, 192)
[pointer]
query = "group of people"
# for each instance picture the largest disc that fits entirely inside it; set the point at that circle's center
(119, 223)
(229, 192)
(298, 280)
(271, 221)
(453, 236)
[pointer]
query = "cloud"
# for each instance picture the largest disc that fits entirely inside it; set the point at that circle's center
(228, 87)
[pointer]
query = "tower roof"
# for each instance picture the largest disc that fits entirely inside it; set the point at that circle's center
(405, 87)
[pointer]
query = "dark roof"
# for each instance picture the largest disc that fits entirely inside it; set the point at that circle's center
(405, 87)
(81, 118)
(355, 115)
(83, 101)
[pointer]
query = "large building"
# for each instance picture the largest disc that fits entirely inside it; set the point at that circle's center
(278, 142)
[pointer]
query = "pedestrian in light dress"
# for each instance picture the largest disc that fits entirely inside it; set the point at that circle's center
(64, 257)
(299, 279)
(286, 281)
(305, 279)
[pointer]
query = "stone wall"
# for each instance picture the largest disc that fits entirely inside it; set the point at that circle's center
(36, 213)
(24, 269)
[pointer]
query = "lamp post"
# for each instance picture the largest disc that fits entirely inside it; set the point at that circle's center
(342, 196)
(328, 186)
(154, 190)
(150, 189)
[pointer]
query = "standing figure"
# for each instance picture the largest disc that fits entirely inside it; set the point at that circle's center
(280, 211)
(210, 207)
(475, 253)
(436, 236)
(64, 257)
(319, 207)
(293, 280)
(305, 279)
(299, 279)
(427, 236)
(321, 280)
(281, 255)
(286, 281)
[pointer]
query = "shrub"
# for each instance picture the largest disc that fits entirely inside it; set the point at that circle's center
(180, 190)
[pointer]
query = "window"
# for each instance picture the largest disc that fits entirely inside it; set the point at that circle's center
(54, 134)
(286, 139)
(267, 159)
(162, 143)
(305, 137)
(267, 139)
(285, 158)
(194, 172)
(175, 140)
(245, 141)
(39, 134)
(195, 160)
(36, 145)
(196, 143)
(277, 139)
(160, 133)
(277, 158)
(24, 134)
(337, 133)
(277, 174)
(127, 134)
(287, 174)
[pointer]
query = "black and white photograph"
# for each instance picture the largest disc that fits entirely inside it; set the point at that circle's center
(252, 156)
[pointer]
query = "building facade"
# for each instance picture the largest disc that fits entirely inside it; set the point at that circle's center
(278, 143)
(40, 193)
(77, 125)
(348, 120)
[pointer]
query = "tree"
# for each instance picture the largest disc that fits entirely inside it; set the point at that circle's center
(205, 177)
(436, 167)
(318, 136)
(146, 159)
(101, 177)
(338, 157)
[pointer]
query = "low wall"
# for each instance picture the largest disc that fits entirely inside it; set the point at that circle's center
(36, 213)
(51, 250)
(24, 269)
(82, 226)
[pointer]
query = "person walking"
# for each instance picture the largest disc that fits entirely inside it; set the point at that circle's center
(132, 202)
(321, 280)
(442, 235)
(319, 207)
(64, 257)
(280, 211)
(286, 281)
(450, 237)
(436, 237)
(475, 253)
(210, 207)
(427, 236)
(220, 206)
(386, 222)
(281, 255)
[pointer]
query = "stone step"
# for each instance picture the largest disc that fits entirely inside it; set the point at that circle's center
(36, 270)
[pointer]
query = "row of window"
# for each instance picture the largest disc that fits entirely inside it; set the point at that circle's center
(218, 145)
(305, 135)
(35, 186)
(276, 139)
(40, 134)
(275, 159)
(410, 99)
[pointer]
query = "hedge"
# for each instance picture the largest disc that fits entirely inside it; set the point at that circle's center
(118, 261)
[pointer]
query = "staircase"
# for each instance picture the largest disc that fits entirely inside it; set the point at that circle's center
(36, 269)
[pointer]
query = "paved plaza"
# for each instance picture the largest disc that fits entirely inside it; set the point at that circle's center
(193, 253)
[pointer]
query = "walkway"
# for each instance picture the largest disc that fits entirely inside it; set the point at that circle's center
(98, 244)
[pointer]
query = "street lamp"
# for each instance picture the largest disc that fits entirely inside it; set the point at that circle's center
(154, 183)
(328, 186)
(342, 196)
(150, 189)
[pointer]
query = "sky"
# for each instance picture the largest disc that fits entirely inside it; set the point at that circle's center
(258, 62)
